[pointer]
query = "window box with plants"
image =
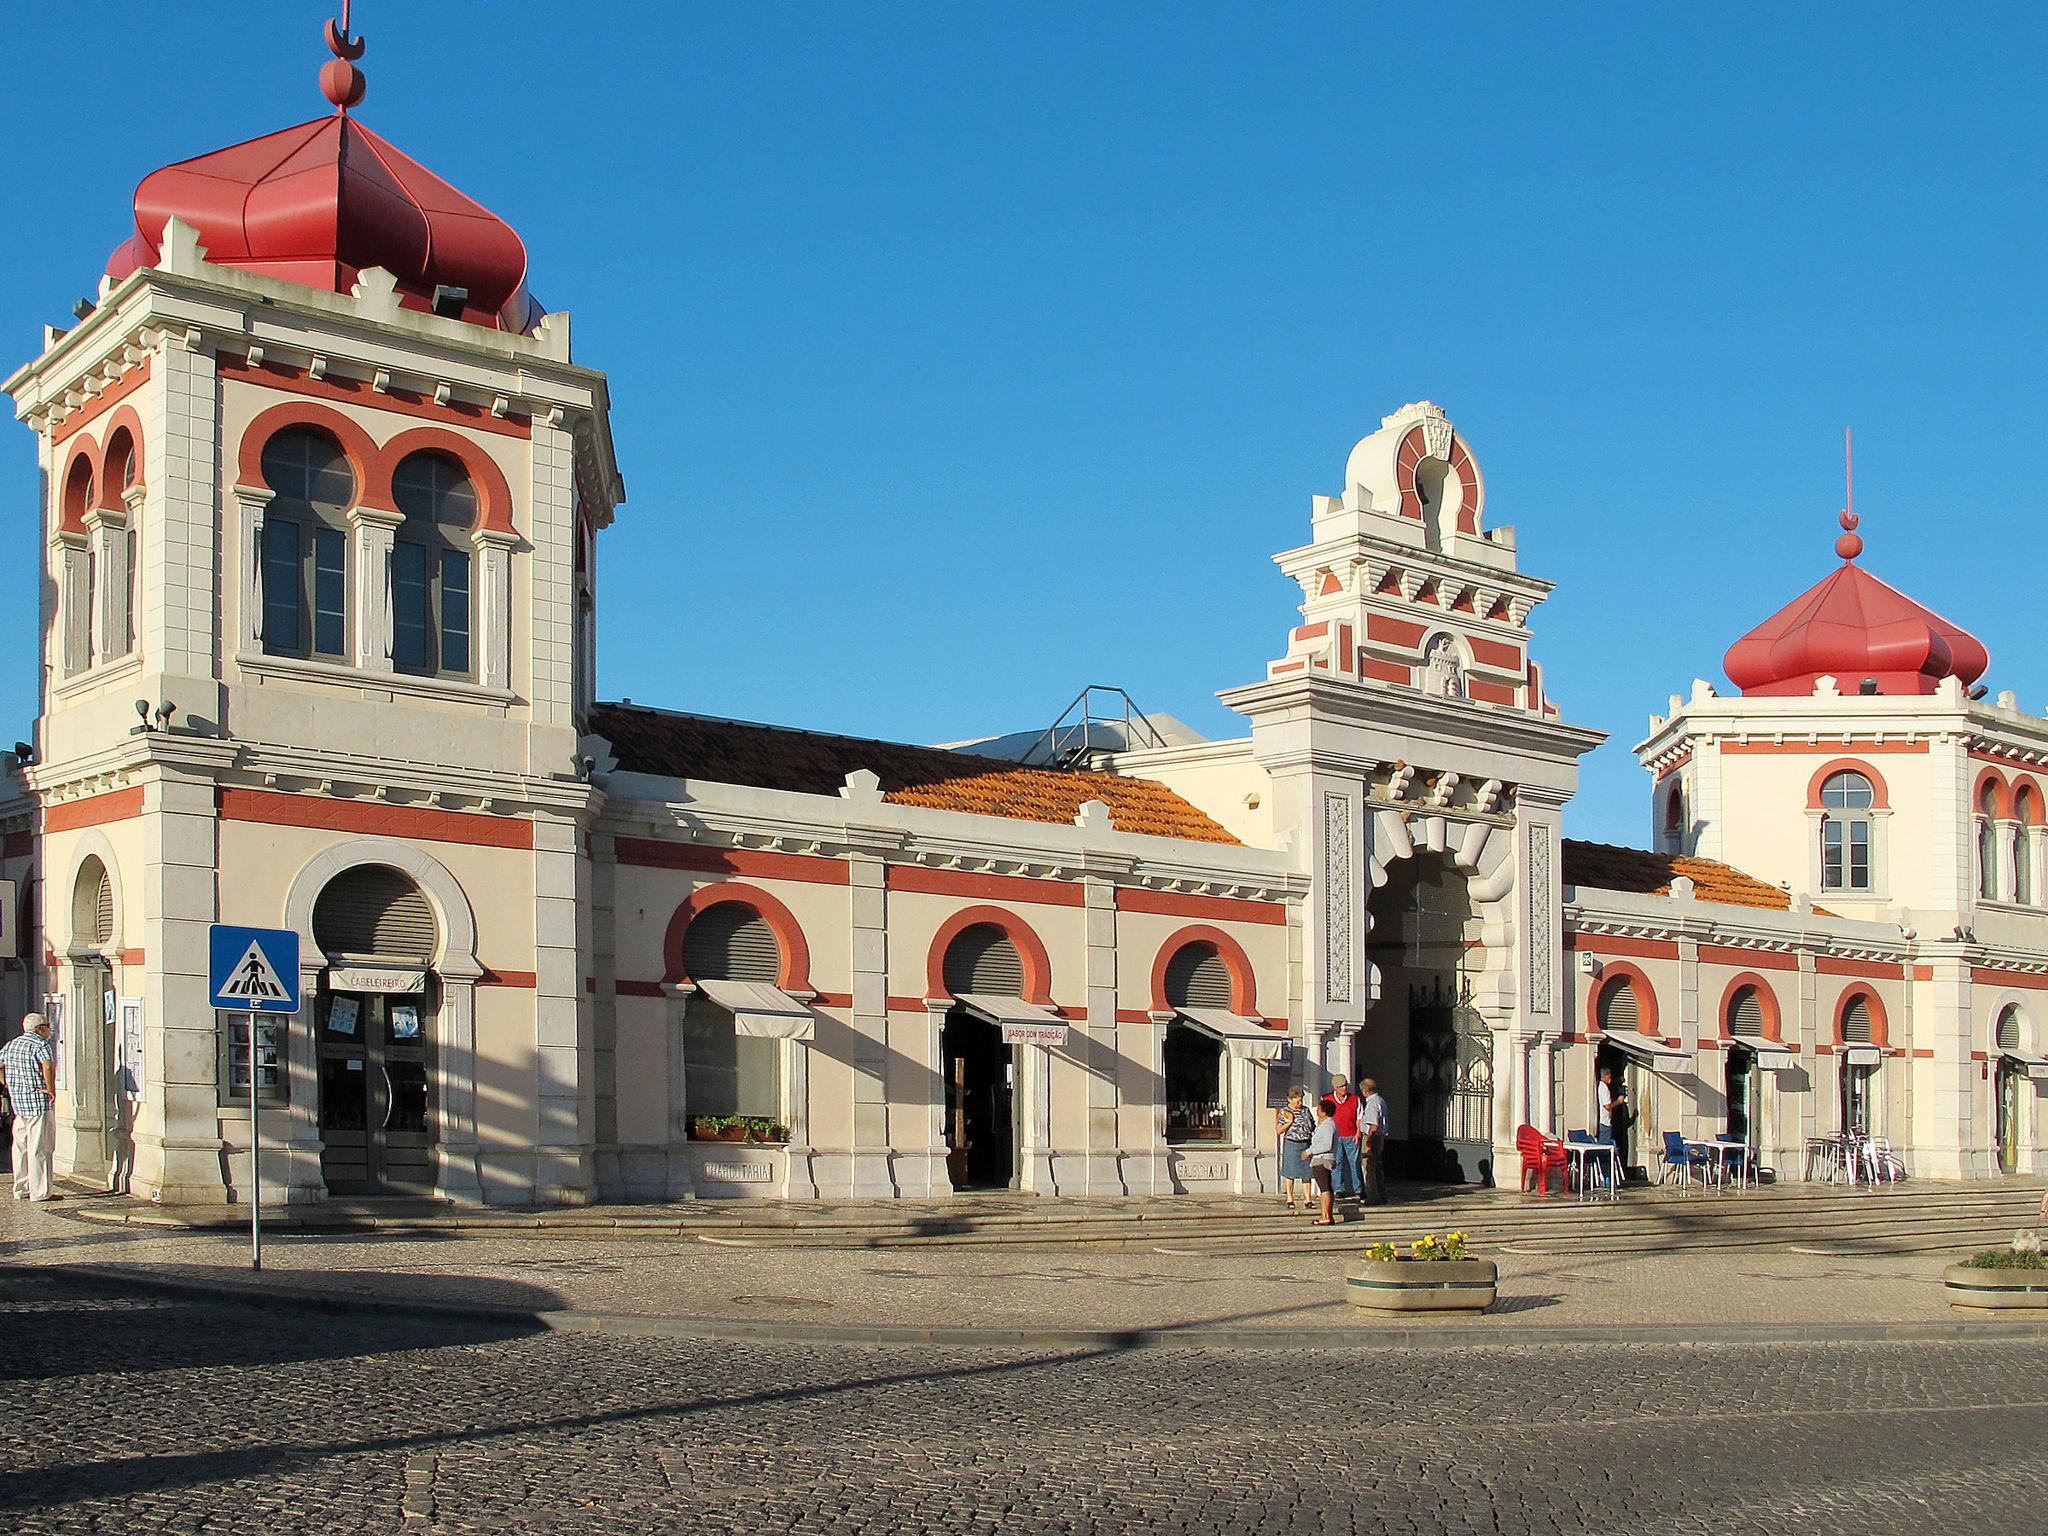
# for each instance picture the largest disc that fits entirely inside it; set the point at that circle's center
(2001, 1279)
(1435, 1274)
(753, 1128)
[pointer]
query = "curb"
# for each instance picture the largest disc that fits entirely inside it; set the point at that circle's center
(1431, 1336)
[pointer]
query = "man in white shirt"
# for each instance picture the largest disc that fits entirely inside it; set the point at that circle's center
(1372, 1137)
(29, 1063)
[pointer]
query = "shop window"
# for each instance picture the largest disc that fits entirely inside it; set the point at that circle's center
(1845, 799)
(305, 545)
(272, 1080)
(432, 598)
(726, 1072)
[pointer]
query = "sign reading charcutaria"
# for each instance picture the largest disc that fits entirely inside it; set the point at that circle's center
(1337, 897)
(1539, 919)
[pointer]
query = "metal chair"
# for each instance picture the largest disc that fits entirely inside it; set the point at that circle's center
(1681, 1159)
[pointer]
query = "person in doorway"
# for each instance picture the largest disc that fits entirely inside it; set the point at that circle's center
(1372, 1124)
(29, 1063)
(1345, 1105)
(1296, 1127)
(1322, 1160)
(1614, 1115)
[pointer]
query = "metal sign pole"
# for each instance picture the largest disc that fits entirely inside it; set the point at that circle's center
(255, 1152)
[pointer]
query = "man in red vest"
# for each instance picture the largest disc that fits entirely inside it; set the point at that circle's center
(1348, 1179)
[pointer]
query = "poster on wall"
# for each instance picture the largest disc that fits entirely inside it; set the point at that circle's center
(343, 1014)
(128, 1049)
(53, 1010)
(405, 1022)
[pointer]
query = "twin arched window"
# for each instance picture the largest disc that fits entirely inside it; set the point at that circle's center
(306, 556)
(1845, 799)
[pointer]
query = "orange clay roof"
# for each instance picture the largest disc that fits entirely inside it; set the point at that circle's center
(1608, 868)
(776, 757)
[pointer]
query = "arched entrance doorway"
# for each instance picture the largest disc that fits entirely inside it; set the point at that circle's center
(1425, 1043)
(980, 1071)
(375, 1014)
(1197, 1096)
(2011, 1082)
(101, 1135)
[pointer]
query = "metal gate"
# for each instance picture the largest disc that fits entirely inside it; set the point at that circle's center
(1450, 1083)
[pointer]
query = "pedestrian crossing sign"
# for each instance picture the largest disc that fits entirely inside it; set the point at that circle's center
(253, 970)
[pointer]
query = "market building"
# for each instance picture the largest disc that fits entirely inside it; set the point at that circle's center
(324, 494)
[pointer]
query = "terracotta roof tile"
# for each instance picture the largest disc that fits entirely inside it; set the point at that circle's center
(776, 757)
(1609, 868)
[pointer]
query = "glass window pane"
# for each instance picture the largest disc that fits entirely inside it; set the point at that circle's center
(412, 649)
(1831, 854)
(281, 597)
(1859, 855)
(454, 611)
(330, 585)
(270, 1059)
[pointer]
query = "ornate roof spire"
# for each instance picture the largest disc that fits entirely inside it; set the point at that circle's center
(1850, 544)
(340, 81)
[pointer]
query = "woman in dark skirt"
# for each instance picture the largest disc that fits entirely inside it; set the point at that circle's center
(1295, 1125)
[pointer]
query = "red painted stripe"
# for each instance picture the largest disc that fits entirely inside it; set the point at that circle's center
(638, 989)
(1828, 965)
(1384, 671)
(1809, 749)
(1654, 949)
(369, 818)
(131, 957)
(1489, 693)
(833, 1000)
(949, 882)
(497, 978)
(647, 853)
(404, 402)
(1749, 959)
(1996, 977)
(1389, 630)
(103, 402)
(1495, 653)
(93, 810)
(1215, 909)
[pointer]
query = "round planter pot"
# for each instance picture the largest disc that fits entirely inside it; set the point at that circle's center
(1995, 1290)
(1422, 1285)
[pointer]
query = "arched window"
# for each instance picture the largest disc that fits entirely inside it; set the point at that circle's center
(305, 545)
(1845, 800)
(374, 911)
(2008, 1034)
(122, 469)
(1856, 1023)
(1987, 842)
(78, 490)
(92, 906)
(728, 1073)
(1674, 819)
(1620, 1009)
(1857, 1029)
(1192, 1059)
(430, 567)
(2026, 811)
(984, 959)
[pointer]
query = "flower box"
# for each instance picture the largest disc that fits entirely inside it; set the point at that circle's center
(1995, 1290)
(1422, 1285)
(700, 1132)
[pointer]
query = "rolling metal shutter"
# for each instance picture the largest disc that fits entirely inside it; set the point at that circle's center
(92, 906)
(1746, 1013)
(1856, 1022)
(1618, 1011)
(731, 942)
(982, 959)
(1196, 977)
(376, 911)
(2009, 1029)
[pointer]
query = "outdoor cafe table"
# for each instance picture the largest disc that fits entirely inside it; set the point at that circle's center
(1722, 1151)
(1582, 1154)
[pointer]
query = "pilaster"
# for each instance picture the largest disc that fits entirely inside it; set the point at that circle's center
(372, 533)
(564, 1058)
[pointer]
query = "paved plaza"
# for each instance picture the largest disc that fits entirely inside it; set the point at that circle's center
(134, 1412)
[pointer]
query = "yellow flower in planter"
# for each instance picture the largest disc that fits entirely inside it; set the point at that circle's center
(1384, 1252)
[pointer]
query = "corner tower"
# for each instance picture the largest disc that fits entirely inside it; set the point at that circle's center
(321, 488)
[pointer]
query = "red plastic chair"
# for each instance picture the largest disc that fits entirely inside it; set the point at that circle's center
(1540, 1155)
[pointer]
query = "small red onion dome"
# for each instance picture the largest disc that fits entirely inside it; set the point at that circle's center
(1853, 627)
(319, 203)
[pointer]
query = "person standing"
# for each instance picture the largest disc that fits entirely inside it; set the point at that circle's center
(1296, 1127)
(1372, 1121)
(1344, 1110)
(1614, 1117)
(1322, 1159)
(29, 1063)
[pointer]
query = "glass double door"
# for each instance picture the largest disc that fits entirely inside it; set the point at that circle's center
(376, 1120)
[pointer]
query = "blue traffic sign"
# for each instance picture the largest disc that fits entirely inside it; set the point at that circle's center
(253, 970)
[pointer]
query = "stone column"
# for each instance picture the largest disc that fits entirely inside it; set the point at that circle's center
(616, 1178)
(1096, 1048)
(458, 1171)
(292, 1133)
(373, 531)
(938, 1178)
(564, 1055)
(800, 1179)
(1534, 992)
(870, 1173)
(676, 1000)
(250, 505)
(1032, 1105)
(494, 607)
(107, 531)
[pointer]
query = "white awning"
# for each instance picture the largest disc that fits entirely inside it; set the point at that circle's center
(1243, 1037)
(1647, 1048)
(2037, 1066)
(761, 1012)
(1862, 1055)
(1022, 1023)
(1775, 1052)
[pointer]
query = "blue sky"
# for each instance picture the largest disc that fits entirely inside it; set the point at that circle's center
(963, 355)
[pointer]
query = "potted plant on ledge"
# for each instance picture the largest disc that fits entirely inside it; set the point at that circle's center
(718, 1128)
(2001, 1279)
(1434, 1275)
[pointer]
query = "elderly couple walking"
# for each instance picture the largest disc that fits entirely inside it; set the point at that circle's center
(1341, 1148)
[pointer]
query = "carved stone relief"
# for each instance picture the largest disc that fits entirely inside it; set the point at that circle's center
(1337, 897)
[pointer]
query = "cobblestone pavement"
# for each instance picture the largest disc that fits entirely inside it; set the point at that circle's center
(130, 1413)
(1078, 1288)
